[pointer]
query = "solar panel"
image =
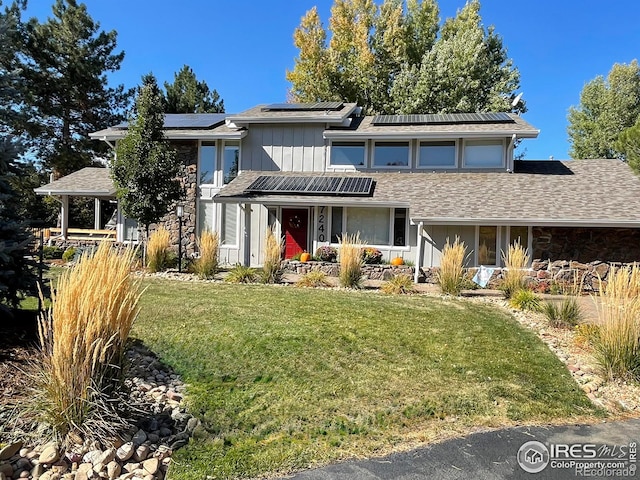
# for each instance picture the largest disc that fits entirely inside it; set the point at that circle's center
(283, 184)
(187, 120)
(302, 107)
(443, 118)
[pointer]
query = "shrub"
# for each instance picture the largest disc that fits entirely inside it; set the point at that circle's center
(296, 257)
(514, 275)
(206, 265)
(94, 307)
(617, 346)
(586, 334)
(327, 254)
(399, 284)
(158, 257)
(567, 314)
(314, 278)
(350, 261)
(68, 254)
(371, 256)
(451, 273)
(52, 253)
(241, 274)
(272, 266)
(524, 299)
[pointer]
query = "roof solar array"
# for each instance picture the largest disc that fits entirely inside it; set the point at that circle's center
(302, 107)
(187, 120)
(311, 185)
(443, 118)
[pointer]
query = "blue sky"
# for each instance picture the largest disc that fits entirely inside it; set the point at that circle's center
(242, 48)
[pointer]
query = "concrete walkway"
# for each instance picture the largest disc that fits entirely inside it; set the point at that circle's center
(490, 455)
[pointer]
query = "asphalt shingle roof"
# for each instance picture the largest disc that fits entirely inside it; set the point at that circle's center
(90, 181)
(577, 192)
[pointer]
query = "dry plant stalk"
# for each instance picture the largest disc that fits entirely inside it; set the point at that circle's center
(271, 268)
(350, 259)
(617, 343)
(515, 261)
(83, 337)
(158, 250)
(451, 273)
(208, 245)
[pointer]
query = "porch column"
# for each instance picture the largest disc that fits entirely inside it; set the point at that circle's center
(246, 233)
(96, 214)
(416, 273)
(64, 216)
(119, 223)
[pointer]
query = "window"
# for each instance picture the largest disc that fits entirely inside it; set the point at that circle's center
(336, 224)
(229, 227)
(206, 215)
(487, 245)
(483, 153)
(207, 166)
(519, 234)
(345, 153)
(400, 227)
(372, 223)
(437, 154)
(391, 154)
(230, 160)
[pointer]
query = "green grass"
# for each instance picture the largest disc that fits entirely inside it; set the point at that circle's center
(283, 379)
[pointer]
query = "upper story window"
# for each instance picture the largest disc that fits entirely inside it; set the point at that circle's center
(437, 154)
(348, 153)
(207, 163)
(230, 161)
(484, 153)
(391, 154)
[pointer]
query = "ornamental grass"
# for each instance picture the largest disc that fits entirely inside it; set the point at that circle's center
(208, 245)
(83, 337)
(272, 266)
(617, 345)
(451, 276)
(158, 250)
(514, 274)
(350, 258)
(398, 285)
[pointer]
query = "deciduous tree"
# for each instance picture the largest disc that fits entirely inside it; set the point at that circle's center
(188, 95)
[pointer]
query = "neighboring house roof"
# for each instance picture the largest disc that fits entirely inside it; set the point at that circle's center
(265, 114)
(578, 193)
(88, 182)
(366, 128)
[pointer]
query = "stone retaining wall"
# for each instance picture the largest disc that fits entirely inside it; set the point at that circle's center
(371, 272)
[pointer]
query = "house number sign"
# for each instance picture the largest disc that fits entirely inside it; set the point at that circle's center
(322, 224)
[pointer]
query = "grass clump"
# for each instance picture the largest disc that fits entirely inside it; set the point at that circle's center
(350, 259)
(524, 299)
(314, 278)
(451, 276)
(82, 339)
(68, 254)
(272, 266)
(399, 284)
(208, 244)
(617, 345)
(566, 314)
(514, 275)
(158, 257)
(241, 274)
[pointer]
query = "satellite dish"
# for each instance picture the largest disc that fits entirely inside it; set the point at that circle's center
(516, 100)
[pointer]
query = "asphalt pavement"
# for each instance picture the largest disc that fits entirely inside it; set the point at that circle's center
(602, 450)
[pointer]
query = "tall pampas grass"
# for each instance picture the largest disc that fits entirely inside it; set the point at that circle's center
(158, 250)
(208, 244)
(350, 259)
(516, 260)
(451, 274)
(617, 344)
(83, 337)
(272, 266)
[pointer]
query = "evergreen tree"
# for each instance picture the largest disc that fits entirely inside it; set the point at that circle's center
(145, 170)
(628, 144)
(188, 95)
(65, 81)
(607, 107)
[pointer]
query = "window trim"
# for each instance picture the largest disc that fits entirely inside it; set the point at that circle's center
(220, 171)
(495, 141)
(209, 143)
(409, 145)
(456, 146)
(392, 213)
(362, 143)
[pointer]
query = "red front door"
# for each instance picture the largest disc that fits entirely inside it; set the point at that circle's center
(295, 223)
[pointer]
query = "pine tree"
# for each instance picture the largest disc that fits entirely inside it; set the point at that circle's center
(145, 170)
(188, 95)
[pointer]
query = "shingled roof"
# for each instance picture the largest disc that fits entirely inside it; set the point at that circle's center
(88, 182)
(577, 192)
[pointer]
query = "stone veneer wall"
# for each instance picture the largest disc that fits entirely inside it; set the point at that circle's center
(372, 272)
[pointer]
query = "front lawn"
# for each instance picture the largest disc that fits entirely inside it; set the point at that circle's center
(285, 378)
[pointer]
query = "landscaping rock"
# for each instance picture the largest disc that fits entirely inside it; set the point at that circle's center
(113, 470)
(150, 466)
(49, 455)
(125, 452)
(139, 438)
(141, 453)
(6, 469)
(10, 450)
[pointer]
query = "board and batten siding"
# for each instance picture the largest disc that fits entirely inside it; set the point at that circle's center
(435, 238)
(284, 148)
